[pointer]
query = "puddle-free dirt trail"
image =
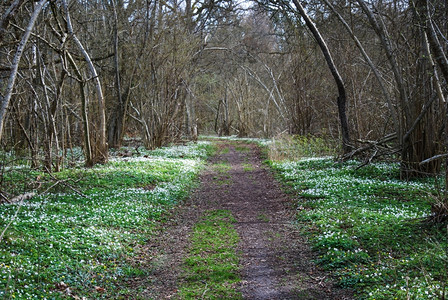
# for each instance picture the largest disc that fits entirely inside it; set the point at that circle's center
(276, 262)
(275, 258)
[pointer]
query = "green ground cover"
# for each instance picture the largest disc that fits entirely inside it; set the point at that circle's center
(367, 227)
(211, 266)
(237, 140)
(74, 242)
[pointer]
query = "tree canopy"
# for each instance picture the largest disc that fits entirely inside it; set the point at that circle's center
(371, 74)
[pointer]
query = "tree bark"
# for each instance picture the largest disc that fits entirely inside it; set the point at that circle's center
(427, 24)
(7, 16)
(385, 41)
(342, 97)
(4, 101)
(116, 123)
(52, 134)
(101, 153)
(375, 71)
(85, 118)
(421, 7)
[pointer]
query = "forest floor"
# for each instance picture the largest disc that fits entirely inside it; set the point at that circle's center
(275, 259)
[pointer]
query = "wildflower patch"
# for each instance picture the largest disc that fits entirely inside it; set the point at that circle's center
(74, 244)
(366, 227)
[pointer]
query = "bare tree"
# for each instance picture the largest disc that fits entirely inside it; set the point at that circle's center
(6, 97)
(371, 64)
(342, 97)
(101, 148)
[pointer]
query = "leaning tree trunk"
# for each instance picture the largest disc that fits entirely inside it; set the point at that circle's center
(411, 133)
(8, 16)
(374, 69)
(100, 153)
(4, 100)
(342, 97)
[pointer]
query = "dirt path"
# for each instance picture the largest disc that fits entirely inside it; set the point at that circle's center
(276, 262)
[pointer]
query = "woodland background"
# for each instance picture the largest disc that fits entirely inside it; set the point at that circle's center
(368, 75)
(337, 79)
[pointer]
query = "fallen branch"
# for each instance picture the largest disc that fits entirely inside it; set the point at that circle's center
(369, 160)
(428, 160)
(52, 186)
(319, 279)
(5, 199)
(22, 197)
(63, 182)
(370, 145)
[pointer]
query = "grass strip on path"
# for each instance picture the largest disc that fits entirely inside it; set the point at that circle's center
(63, 245)
(211, 267)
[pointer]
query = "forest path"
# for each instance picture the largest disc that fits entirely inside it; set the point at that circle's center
(275, 258)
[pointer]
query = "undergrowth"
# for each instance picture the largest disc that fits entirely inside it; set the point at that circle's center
(234, 138)
(366, 226)
(297, 146)
(211, 266)
(74, 240)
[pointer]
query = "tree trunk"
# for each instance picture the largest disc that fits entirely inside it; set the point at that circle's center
(7, 16)
(387, 46)
(342, 97)
(101, 148)
(116, 123)
(4, 101)
(436, 47)
(375, 71)
(226, 125)
(421, 140)
(404, 101)
(85, 118)
(52, 134)
(421, 9)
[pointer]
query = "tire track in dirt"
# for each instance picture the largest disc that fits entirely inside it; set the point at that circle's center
(276, 261)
